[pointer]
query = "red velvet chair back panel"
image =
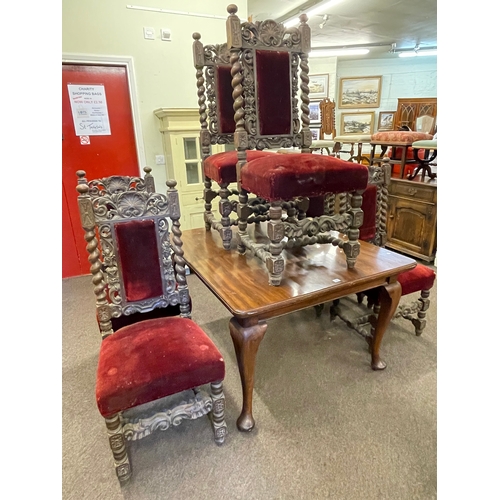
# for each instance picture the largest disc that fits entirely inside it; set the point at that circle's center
(369, 206)
(316, 206)
(138, 252)
(274, 101)
(225, 111)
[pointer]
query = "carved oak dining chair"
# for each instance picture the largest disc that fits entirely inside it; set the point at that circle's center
(150, 367)
(269, 68)
(327, 127)
(215, 103)
(419, 279)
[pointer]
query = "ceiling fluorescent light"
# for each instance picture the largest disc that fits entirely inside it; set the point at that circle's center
(419, 53)
(319, 9)
(338, 52)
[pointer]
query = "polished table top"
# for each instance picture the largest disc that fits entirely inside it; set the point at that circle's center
(312, 274)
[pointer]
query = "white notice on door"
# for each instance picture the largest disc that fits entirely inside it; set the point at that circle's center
(89, 108)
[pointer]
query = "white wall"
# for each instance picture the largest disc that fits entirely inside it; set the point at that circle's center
(401, 77)
(165, 74)
(323, 65)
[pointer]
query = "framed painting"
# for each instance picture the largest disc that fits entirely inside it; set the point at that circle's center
(314, 112)
(386, 120)
(315, 133)
(357, 123)
(318, 86)
(360, 92)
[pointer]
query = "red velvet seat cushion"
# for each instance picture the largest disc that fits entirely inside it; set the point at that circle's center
(221, 167)
(152, 359)
(419, 278)
(283, 177)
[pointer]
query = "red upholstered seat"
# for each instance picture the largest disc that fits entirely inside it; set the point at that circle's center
(419, 278)
(402, 137)
(153, 359)
(221, 167)
(284, 177)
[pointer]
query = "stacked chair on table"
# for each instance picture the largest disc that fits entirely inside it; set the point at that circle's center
(269, 66)
(139, 275)
(215, 102)
(419, 279)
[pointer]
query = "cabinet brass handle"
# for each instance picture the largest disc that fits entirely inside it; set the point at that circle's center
(412, 191)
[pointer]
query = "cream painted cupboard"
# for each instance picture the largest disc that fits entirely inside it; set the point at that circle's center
(180, 130)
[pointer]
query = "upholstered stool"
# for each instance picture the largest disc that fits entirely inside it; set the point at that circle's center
(396, 139)
(340, 140)
(321, 144)
(424, 163)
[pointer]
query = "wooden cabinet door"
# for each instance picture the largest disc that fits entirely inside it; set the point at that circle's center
(410, 226)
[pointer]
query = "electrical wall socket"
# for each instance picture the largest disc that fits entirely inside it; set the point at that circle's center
(149, 33)
(160, 159)
(166, 35)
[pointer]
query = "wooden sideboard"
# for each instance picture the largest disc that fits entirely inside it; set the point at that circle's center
(412, 218)
(411, 108)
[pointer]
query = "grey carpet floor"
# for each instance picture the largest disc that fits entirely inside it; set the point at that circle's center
(327, 426)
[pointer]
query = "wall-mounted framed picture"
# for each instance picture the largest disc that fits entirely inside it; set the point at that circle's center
(315, 133)
(318, 86)
(314, 112)
(357, 123)
(360, 92)
(386, 120)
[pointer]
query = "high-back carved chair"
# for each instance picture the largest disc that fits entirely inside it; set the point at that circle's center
(271, 110)
(327, 127)
(215, 102)
(136, 260)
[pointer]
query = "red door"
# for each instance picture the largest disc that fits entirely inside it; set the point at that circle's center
(114, 153)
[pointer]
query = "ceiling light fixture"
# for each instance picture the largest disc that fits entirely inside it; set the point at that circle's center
(338, 52)
(318, 9)
(325, 19)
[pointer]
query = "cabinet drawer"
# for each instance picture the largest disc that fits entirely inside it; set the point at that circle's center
(413, 190)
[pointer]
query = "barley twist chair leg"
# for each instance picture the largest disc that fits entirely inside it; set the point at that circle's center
(218, 412)
(419, 322)
(117, 444)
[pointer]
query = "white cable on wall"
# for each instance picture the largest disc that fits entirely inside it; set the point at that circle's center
(177, 12)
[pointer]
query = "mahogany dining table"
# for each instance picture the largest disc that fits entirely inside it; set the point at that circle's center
(314, 275)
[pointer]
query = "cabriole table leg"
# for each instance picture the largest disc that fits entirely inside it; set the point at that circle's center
(246, 335)
(389, 296)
